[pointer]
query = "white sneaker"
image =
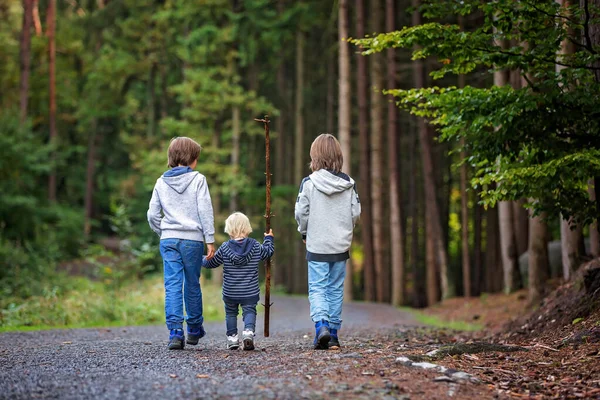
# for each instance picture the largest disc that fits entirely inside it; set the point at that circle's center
(248, 340)
(233, 343)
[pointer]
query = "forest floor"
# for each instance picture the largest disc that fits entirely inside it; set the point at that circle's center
(550, 352)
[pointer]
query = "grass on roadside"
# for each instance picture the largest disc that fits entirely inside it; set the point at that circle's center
(93, 304)
(437, 322)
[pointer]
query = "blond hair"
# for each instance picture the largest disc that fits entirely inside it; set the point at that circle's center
(183, 151)
(237, 225)
(326, 153)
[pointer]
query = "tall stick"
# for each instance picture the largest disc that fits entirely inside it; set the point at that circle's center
(267, 216)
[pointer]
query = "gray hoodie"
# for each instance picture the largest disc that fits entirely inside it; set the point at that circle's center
(181, 208)
(326, 211)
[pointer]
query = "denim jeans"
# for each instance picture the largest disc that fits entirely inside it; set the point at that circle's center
(326, 291)
(248, 315)
(182, 261)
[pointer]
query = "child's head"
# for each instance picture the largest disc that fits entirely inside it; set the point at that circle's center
(183, 151)
(237, 225)
(326, 153)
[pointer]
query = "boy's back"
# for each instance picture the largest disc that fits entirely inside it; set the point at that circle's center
(182, 195)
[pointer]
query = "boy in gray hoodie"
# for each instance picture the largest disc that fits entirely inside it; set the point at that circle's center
(326, 210)
(181, 213)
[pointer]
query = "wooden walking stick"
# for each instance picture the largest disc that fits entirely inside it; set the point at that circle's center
(267, 216)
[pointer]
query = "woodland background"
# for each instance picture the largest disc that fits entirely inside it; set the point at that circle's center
(92, 91)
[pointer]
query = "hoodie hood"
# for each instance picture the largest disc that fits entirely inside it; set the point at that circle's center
(329, 182)
(179, 178)
(240, 250)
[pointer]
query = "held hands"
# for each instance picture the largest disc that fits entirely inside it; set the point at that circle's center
(270, 233)
(211, 250)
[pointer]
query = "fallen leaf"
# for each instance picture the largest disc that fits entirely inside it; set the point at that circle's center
(200, 376)
(172, 376)
(67, 342)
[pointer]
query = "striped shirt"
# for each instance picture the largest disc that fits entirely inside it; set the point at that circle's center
(240, 259)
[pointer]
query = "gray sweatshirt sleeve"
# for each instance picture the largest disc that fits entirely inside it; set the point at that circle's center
(356, 209)
(154, 212)
(302, 208)
(205, 211)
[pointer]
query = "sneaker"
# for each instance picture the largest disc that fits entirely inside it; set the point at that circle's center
(248, 339)
(233, 343)
(176, 339)
(322, 335)
(334, 342)
(195, 334)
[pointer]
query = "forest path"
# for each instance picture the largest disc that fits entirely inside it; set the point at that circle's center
(134, 363)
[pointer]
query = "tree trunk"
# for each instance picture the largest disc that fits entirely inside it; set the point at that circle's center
(464, 207)
(594, 235)
(521, 226)
(414, 210)
(381, 283)
(235, 154)
(150, 129)
(51, 23)
(364, 187)
(300, 280)
(216, 273)
(89, 179)
(25, 57)
(36, 18)
(538, 259)
(330, 113)
(436, 250)
(569, 247)
(397, 247)
(477, 246)
(493, 260)
(344, 113)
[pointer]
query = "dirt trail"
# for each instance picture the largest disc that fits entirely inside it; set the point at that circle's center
(133, 362)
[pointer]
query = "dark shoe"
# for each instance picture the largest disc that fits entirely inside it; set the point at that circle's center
(176, 339)
(195, 334)
(334, 342)
(322, 335)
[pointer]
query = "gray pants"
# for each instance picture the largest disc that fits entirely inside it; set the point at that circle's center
(248, 315)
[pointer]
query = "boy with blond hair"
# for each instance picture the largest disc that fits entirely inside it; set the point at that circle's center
(181, 213)
(326, 210)
(240, 257)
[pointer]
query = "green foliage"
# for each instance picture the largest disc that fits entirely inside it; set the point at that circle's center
(539, 142)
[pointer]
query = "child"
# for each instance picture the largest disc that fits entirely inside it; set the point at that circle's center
(240, 257)
(326, 210)
(181, 214)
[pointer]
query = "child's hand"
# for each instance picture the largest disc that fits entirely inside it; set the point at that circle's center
(270, 233)
(211, 250)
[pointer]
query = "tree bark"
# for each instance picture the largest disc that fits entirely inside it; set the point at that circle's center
(377, 162)
(344, 113)
(397, 242)
(25, 57)
(436, 250)
(89, 179)
(594, 235)
(216, 273)
(521, 226)
(538, 259)
(51, 24)
(477, 246)
(364, 187)
(493, 261)
(299, 281)
(235, 153)
(151, 101)
(36, 18)
(569, 247)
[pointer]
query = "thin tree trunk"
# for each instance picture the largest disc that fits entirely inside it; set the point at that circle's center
(464, 207)
(477, 246)
(521, 226)
(216, 273)
(280, 123)
(36, 18)
(344, 113)
(51, 23)
(493, 262)
(364, 187)
(569, 247)
(25, 57)
(151, 102)
(299, 273)
(235, 153)
(538, 258)
(594, 235)
(381, 281)
(397, 247)
(89, 179)
(437, 247)
(329, 118)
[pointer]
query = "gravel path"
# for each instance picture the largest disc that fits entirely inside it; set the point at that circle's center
(133, 362)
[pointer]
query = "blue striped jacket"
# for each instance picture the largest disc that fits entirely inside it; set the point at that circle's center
(240, 260)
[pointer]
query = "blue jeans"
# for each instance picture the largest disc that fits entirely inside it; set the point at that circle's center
(248, 315)
(182, 261)
(326, 291)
